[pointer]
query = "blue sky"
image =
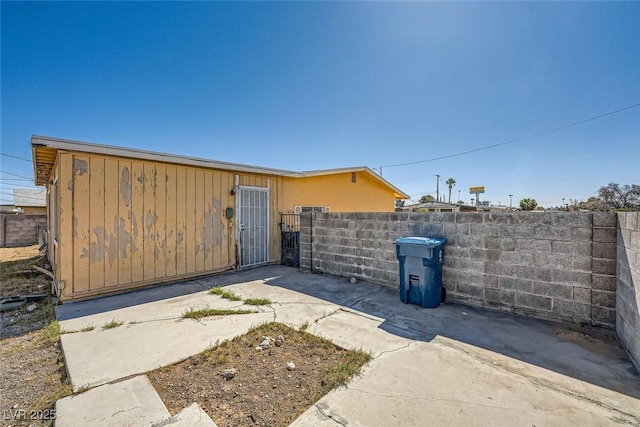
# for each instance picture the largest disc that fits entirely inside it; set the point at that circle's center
(305, 86)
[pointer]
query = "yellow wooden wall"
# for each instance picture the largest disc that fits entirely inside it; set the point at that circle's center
(127, 223)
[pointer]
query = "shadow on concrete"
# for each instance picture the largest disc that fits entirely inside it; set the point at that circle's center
(563, 348)
(593, 355)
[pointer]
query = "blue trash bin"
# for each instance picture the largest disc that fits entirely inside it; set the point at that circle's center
(420, 261)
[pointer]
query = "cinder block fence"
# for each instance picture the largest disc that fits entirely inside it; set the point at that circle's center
(558, 266)
(575, 267)
(20, 230)
(628, 289)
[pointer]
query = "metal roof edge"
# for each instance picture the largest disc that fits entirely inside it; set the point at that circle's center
(87, 147)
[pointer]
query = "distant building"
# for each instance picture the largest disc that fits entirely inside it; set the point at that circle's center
(433, 207)
(30, 201)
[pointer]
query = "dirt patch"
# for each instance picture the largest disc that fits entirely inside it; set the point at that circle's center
(602, 340)
(263, 390)
(17, 274)
(32, 373)
(21, 253)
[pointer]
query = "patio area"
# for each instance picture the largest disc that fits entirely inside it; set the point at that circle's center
(454, 365)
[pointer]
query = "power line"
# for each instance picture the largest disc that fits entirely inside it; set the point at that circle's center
(19, 176)
(514, 140)
(15, 157)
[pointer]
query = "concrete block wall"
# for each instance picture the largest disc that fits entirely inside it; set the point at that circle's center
(628, 283)
(20, 230)
(556, 265)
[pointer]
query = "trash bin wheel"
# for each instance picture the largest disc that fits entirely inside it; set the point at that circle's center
(443, 295)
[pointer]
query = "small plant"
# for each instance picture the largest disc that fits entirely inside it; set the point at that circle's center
(341, 373)
(87, 328)
(82, 389)
(304, 327)
(113, 324)
(225, 294)
(50, 334)
(257, 301)
(49, 399)
(198, 314)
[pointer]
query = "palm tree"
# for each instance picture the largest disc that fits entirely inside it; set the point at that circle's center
(451, 183)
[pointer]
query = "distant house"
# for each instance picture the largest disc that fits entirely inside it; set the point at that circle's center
(122, 218)
(30, 201)
(433, 207)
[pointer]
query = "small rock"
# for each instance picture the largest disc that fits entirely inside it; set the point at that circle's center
(354, 280)
(279, 340)
(258, 348)
(291, 366)
(227, 374)
(265, 344)
(31, 308)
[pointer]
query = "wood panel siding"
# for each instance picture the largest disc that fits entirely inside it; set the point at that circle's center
(126, 223)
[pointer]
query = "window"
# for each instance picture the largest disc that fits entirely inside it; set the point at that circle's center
(304, 209)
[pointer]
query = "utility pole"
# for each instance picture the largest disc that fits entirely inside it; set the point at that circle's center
(458, 196)
(510, 201)
(438, 188)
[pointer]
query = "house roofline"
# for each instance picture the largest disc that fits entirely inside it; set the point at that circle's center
(111, 150)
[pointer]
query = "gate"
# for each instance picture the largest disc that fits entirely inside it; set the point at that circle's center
(253, 218)
(290, 233)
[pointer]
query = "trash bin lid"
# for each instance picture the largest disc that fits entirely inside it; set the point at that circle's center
(426, 241)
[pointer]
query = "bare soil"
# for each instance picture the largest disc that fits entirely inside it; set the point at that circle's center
(32, 372)
(263, 392)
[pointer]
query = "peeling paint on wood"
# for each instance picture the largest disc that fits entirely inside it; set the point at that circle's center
(79, 167)
(112, 246)
(97, 247)
(124, 238)
(125, 186)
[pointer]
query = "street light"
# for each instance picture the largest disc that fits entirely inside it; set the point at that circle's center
(437, 188)
(510, 201)
(563, 203)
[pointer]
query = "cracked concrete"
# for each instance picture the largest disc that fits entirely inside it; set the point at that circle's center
(445, 366)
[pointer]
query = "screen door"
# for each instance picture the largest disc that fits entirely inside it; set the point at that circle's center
(253, 224)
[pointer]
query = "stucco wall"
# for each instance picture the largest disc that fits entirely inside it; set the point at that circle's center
(338, 192)
(628, 284)
(20, 229)
(558, 266)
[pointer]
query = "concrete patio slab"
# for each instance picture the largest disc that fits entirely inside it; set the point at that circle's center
(451, 365)
(102, 356)
(358, 331)
(75, 316)
(191, 416)
(130, 402)
(430, 384)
